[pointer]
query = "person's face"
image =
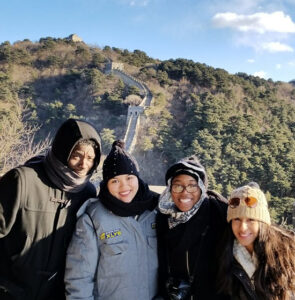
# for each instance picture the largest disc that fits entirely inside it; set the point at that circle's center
(123, 187)
(82, 159)
(184, 200)
(246, 231)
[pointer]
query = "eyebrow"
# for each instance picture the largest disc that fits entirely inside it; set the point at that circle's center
(179, 181)
(82, 152)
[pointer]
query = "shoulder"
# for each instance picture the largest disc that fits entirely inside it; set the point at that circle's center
(217, 201)
(90, 189)
(11, 175)
(98, 212)
(19, 173)
(94, 206)
(218, 211)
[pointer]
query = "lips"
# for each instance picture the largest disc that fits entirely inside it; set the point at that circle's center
(244, 235)
(81, 172)
(125, 193)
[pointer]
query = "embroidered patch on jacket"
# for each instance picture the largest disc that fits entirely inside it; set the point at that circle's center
(110, 234)
(153, 225)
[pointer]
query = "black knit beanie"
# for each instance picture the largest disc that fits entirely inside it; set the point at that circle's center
(184, 166)
(119, 162)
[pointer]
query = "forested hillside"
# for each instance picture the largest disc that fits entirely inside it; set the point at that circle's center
(241, 127)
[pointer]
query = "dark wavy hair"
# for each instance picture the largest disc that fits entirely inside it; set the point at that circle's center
(274, 277)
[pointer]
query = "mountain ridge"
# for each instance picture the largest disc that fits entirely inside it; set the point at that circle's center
(241, 127)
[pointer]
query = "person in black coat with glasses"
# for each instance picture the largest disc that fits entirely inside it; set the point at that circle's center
(191, 221)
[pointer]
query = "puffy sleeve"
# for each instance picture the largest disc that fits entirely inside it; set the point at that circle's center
(81, 261)
(10, 193)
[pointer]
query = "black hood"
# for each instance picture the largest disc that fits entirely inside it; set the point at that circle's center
(69, 134)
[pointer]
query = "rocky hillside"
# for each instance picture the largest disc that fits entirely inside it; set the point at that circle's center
(241, 127)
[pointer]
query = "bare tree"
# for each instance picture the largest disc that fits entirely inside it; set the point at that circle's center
(17, 140)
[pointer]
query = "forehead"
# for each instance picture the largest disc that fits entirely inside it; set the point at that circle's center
(86, 148)
(183, 178)
(122, 177)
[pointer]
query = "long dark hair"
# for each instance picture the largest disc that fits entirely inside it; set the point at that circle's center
(274, 278)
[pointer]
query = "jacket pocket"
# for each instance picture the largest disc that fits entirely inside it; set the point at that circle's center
(113, 249)
(112, 272)
(152, 241)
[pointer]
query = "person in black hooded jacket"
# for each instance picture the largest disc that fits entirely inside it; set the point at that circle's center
(38, 206)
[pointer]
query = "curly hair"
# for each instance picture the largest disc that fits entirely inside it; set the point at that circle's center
(275, 249)
(274, 277)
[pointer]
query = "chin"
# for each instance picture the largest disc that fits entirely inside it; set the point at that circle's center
(184, 209)
(126, 200)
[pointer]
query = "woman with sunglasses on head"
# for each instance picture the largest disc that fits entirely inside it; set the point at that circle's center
(258, 258)
(191, 220)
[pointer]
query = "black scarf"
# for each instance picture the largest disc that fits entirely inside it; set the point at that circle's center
(144, 200)
(62, 176)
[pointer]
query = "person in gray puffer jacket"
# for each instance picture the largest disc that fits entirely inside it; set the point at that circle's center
(38, 206)
(113, 252)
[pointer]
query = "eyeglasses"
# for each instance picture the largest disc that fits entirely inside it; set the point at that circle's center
(249, 201)
(191, 188)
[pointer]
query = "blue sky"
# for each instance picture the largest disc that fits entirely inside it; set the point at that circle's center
(252, 36)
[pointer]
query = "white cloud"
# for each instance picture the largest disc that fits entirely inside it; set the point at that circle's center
(278, 66)
(250, 60)
(258, 22)
(291, 63)
(260, 74)
(276, 47)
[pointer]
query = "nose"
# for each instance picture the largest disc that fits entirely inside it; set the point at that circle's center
(184, 191)
(83, 162)
(243, 226)
(123, 183)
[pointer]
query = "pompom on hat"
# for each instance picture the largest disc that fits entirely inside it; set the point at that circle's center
(258, 212)
(119, 162)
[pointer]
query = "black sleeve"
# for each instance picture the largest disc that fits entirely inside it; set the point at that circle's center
(162, 227)
(10, 190)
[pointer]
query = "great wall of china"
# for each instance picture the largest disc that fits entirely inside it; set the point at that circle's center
(134, 111)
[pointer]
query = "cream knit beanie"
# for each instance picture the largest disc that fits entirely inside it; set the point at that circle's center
(259, 212)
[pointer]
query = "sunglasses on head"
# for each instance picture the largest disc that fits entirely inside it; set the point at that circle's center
(249, 201)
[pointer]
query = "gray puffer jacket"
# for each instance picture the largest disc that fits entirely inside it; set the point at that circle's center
(112, 257)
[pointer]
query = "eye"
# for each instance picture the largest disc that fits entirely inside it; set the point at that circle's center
(114, 181)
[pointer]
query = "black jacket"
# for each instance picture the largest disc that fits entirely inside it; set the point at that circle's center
(242, 287)
(192, 246)
(36, 224)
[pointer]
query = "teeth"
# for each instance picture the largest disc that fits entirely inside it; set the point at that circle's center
(184, 200)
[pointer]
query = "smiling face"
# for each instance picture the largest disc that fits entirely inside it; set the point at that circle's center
(184, 201)
(123, 187)
(246, 231)
(82, 159)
